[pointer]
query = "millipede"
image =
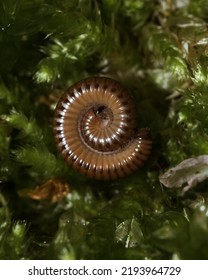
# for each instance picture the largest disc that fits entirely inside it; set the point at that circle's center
(95, 129)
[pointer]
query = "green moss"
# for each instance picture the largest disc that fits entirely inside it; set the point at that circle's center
(158, 49)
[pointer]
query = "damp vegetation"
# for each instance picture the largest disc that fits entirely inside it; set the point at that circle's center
(158, 50)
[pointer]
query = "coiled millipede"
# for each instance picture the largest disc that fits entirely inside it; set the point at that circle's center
(95, 129)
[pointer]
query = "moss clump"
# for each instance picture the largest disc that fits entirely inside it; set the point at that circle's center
(158, 49)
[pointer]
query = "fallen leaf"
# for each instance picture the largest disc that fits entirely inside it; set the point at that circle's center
(188, 173)
(54, 190)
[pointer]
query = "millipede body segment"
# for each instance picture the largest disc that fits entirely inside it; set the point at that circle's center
(95, 129)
